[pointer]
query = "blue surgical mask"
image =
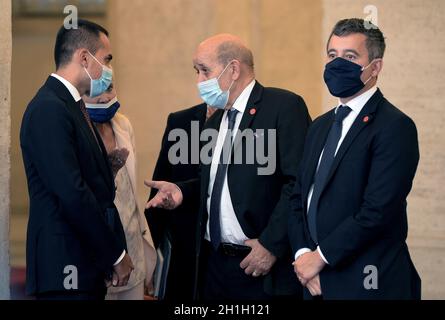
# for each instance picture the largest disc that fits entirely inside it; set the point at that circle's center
(99, 86)
(211, 92)
(342, 77)
(102, 112)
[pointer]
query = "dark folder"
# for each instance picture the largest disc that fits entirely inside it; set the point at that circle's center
(162, 266)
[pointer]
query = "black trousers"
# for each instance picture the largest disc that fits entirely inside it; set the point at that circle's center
(223, 278)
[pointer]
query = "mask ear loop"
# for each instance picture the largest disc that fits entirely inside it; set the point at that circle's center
(91, 78)
(88, 73)
(364, 68)
(233, 81)
(224, 70)
(95, 58)
(103, 66)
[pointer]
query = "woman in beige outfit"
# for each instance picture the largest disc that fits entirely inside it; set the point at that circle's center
(117, 134)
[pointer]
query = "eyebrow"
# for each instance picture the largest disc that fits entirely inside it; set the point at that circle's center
(201, 65)
(353, 51)
(347, 50)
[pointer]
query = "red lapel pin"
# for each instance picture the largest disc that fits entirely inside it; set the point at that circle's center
(365, 119)
(252, 111)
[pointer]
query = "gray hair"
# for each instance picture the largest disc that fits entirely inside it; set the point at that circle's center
(231, 50)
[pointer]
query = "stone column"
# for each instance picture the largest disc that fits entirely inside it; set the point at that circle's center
(5, 142)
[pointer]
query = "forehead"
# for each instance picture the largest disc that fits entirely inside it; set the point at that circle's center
(106, 45)
(354, 41)
(206, 55)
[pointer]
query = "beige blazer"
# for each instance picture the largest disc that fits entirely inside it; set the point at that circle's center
(123, 132)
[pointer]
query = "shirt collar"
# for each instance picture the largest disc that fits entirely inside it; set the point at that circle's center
(241, 102)
(359, 102)
(72, 89)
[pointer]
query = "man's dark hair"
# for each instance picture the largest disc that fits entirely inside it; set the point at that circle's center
(69, 40)
(375, 41)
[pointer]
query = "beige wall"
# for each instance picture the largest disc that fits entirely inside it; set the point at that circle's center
(153, 42)
(5, 141)
(412, 79)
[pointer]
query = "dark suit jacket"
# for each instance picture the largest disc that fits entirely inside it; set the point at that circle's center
(261, 202)
(362, 217)
(179, 224)
(71, 193)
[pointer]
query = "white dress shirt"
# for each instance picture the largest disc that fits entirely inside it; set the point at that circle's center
(76, 96)
(72, 89)
(231, 230)
(356, 106)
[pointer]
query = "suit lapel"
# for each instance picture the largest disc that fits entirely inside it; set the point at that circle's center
(319, 143)
(252, 107)
(363, 120)
(105, 164)
(99, 151)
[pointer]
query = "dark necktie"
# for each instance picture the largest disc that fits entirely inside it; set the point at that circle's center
(215, 200)
(87, 119)
(325, 166)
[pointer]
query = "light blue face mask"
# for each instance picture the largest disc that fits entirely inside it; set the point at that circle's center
(99, 86)
(211, 92)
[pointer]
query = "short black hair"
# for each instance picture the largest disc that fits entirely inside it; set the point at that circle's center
(375, 41)
(68, 41)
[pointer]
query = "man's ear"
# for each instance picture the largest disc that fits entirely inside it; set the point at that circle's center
(81, 56)
(377, 67)
(236, 69)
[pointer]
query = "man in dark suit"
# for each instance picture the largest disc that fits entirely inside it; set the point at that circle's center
(242, 246)
(349, 223)
(178, 225)
(75, 240)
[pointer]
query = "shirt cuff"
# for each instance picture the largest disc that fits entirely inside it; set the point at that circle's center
(120, 259)
(301, 252)
(321, 255)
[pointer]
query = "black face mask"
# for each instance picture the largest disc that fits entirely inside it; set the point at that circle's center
(342, 77)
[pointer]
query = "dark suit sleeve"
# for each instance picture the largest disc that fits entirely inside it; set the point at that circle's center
(162, 169)
(157, 218)
(190, 190)
(52, 146)
(292, 126)
(296, 222)
(395, 156)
